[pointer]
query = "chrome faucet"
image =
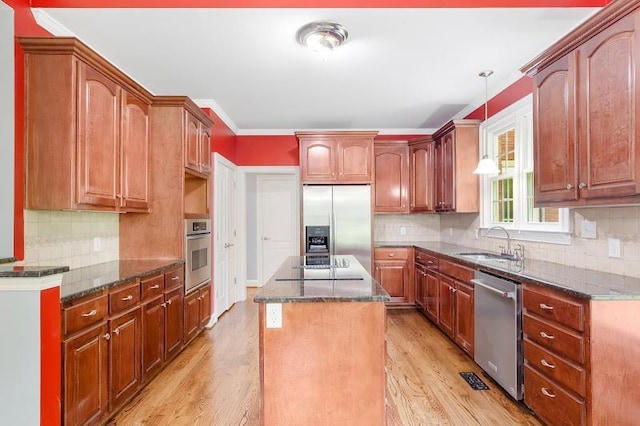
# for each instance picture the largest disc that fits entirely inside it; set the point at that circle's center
(517, 253)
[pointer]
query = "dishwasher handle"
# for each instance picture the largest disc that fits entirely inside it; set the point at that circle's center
(504, 294)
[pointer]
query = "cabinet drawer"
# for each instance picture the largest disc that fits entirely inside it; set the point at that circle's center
(401, 253)
(174, 278)
(426, 259)
(124, 297)
(152, 287)
(553, 367)
(560, 341)
(454, 270)
(84, 314)
(550, 402)
(554, 307)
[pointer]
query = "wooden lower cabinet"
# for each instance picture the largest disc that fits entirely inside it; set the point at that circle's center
(446, 304)
(432, 284)
(153, 330)
(173, 323)
(392, 269)
(124, 357)
(85, 381)
(419, 284)
(464, 317)
(197, 311)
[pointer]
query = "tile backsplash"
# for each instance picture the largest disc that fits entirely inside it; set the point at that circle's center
(413, 227)
(66, 238)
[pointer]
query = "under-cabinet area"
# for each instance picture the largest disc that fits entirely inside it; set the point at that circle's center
(122, 323)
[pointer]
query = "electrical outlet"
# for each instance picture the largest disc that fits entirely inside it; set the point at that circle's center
(273, 315)
(403, 230)
(97, 244)
(614, 247)
(588, 229)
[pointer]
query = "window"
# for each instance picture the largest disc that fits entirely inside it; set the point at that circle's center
(507, 198)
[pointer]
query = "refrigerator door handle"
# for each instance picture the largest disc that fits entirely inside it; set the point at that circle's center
(332, 233)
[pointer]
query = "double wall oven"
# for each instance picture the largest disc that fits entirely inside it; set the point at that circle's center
(197, 253)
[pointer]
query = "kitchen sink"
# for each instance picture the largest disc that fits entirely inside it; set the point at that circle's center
(482, 255)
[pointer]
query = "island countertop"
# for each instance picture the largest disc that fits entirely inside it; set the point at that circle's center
(321, 279)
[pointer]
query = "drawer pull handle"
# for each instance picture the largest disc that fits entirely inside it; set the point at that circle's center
(168, 302)
(175, 278)
(107, 336)
(391, 254)
(129, 297)
(547, 336)
(546, 392)
(153, 287)
(90, 314)
(547, 364)
(546, 307)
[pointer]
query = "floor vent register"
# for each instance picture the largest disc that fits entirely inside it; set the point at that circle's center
(473, 380)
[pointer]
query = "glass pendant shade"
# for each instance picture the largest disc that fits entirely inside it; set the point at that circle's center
(486, 166)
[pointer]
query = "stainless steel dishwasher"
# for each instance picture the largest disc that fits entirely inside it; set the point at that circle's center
(498, 331)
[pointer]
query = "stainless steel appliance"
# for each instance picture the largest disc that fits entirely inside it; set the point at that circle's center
(344, 212)
(197, 252)
(498, 331)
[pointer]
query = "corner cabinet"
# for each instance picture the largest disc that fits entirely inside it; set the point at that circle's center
(586, 109)
(336, 157)
(88, 119)
(391, 170)
(422, 172)
(393, 270)
(457, 189)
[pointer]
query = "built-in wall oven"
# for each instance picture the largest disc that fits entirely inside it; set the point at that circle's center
(197, 253)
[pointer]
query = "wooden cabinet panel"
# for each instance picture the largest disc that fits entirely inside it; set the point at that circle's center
(98, 138)
(85, 384)
(569, 375)
(134, 175)
(551, 306)
(391, 253)
(609, 106)
(174, 278)
(192, 139)
(550, 402)
(173, 323)
(124, 357)
(191, 315)
(464, 317)
(422, 176)
(419, 284)
(555, 161)
(445, 186)
(392, 270)
(431, 303)
(123, 297)
(355, 158)
(317, 160)
(205, 305)
(205, 149)
(84, 314)
(153, 329)
(556, 339)
(152, 287)
(446, 304)
(391, 170)
(456, 270)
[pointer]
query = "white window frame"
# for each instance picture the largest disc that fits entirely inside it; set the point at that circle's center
(519, 115)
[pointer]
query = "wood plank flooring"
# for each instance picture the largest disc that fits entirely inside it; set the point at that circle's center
(215, 380)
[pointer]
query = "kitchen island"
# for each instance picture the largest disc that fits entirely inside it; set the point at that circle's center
(322, 344)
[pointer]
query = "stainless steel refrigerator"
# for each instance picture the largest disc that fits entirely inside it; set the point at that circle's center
(344, 211)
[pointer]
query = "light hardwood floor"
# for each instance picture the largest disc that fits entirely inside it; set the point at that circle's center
(215, 380)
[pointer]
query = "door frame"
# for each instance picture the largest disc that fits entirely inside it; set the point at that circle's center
(242, 215)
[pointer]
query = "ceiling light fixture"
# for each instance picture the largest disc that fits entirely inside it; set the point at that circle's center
(322, 36)
(486, 166)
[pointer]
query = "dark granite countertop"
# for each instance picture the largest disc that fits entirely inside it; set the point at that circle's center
(7, 259)
(343, 280)
(13, 271)
(90, 279)
(579, 282)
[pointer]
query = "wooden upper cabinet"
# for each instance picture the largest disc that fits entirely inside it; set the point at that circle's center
(586, 109)
(422, 173)
(336, 157)
(391, 167)
(457, 189)
(205, 149)
(86, 130)
(191, 142)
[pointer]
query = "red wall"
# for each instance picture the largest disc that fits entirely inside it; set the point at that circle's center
(223, 139)
(508, 96)
(267, 150)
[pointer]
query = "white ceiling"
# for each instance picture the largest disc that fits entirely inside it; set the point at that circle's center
(401, 70)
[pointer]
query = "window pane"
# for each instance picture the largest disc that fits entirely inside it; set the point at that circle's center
(506, 151)
(502, 200)
(539, 215)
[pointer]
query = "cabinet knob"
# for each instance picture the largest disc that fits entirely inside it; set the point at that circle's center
(107, 336)
(547, 392)
(164, 305)
(582, 185)
(168, 302)
(116, 331)
(569, 186)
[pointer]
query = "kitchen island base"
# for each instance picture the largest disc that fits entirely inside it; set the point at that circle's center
(325, 366)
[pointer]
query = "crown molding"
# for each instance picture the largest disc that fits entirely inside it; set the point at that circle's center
(210, 103)
(47, 22)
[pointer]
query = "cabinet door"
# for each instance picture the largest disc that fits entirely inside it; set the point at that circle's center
(98, 139)
(446, 304)
(445, 189)
(609, 110)
(134, 175)
(85, 385)
(391, 179)
(419, 278)
(124, 357)
(192, 142)
(431, 301)
(423, 177)
(464, 319)
(355, 156)
(191, 315)
(173, 323)
(554, 132)
(153, 327)
(205, 149)
(205, 305)
(393, 276)
(317, 160)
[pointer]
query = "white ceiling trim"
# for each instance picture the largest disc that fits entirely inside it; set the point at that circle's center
(210, 103)
(47, 22)
(285, 132)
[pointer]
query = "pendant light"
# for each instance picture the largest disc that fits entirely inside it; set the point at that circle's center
(486, 166)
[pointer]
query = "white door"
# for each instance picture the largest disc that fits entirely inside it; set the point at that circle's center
(224, 238)
(278, 223)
